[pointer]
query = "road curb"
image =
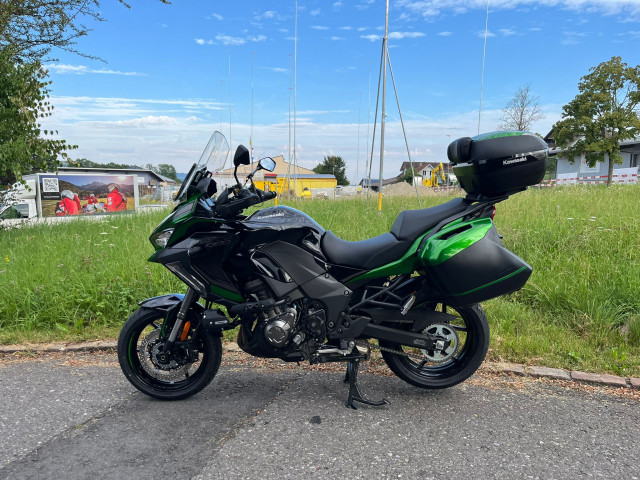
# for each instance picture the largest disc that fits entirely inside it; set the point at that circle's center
(499, 367)
(604, 380)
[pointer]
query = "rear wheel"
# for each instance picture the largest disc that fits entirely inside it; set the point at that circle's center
(191, 366)
(462, 348)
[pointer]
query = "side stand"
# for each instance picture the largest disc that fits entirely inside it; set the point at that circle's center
(354, 391)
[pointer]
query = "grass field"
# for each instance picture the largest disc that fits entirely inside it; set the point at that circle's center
(580, 309)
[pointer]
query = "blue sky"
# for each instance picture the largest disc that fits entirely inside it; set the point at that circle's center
(165, 86)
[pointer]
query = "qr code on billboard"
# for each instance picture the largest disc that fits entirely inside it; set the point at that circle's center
(50, 185)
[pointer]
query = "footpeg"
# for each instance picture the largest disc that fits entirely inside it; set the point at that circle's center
(354, 392)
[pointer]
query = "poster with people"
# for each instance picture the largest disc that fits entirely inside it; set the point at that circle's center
(86, 194)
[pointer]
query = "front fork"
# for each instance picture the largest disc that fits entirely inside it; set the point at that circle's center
(189, 298)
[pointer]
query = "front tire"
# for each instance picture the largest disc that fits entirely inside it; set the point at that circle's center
(444, 369)
(142, 337)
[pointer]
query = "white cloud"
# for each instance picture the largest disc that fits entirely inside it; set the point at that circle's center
(320, 112)
(275, 69)
(229, 40)
(319, 27)
(217, 16)
(432, 8)
(489, 33)
(507, 32)
(445, 34)
(337, 5)
(127, 130)
(402, 35)
(63, 69)
(393, 36)
(266, 15)
(365, 4)
(315, 13)
(572, 38)
(335, 38)
(345, 28)
(149, 120)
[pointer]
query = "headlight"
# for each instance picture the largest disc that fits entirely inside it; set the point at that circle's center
(161, 239)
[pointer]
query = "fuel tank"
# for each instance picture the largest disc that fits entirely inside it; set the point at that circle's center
(282, 218)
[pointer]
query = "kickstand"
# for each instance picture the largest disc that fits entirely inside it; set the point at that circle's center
(354, 391)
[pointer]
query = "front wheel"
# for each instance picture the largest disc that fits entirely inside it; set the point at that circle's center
(191, 366)
(464, 344)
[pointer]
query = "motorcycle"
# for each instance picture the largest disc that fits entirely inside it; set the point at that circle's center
(300, 293)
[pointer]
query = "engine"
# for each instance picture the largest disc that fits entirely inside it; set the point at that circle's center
(280, 327)
(283, 329)
(278, 324)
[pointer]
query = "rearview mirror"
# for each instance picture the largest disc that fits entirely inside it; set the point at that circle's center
(267, 163)
(242, 156)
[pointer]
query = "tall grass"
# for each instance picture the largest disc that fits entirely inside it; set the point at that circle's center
(580, 309)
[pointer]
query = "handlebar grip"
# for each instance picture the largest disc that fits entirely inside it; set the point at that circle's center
(269, 195)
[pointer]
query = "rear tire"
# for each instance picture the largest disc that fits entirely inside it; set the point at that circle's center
(472, 332)
(141, 337)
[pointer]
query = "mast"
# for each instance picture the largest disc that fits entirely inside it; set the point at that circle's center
(229, 46)
(295, 104)
(251, 134)
(484, 55)
(384, 91)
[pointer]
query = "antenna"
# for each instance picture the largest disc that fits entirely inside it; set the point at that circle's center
(295, 105)
(229, 46)
(484, 54)
(288, 176)
(385, 53)
(251, 134)
(386, 59)
(221, 83)
(358, 151)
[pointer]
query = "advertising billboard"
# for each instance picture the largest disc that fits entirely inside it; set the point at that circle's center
(86, 194)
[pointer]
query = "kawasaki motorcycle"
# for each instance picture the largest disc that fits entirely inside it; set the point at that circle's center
(299, 293)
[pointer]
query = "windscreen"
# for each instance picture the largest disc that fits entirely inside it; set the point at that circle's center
(214, 158)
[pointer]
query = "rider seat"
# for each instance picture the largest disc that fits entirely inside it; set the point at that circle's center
(377, 251)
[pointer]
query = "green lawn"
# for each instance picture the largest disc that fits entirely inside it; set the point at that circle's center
(580, 309)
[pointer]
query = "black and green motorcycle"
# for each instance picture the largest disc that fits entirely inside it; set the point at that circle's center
(297, 292)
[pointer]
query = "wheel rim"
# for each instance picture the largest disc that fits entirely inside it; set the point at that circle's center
(143, 354)
(429, 364)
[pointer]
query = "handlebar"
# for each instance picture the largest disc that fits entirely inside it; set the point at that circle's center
(244, 198)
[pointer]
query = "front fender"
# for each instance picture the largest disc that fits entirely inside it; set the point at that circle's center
(163, 302)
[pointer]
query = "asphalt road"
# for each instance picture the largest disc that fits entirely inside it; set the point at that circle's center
(76, 417)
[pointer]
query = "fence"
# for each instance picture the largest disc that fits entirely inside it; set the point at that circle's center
(626, 178)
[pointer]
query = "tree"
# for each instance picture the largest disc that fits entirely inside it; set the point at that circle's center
(24, 146)
(409, 175)
(166, 170)
(35, 27)
(602, 115)
(86, 163)
(521, 111)
(335, 166)
(29, 30)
